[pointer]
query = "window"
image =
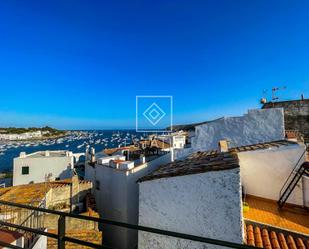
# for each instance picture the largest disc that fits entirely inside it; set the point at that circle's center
(25, 170)
(97, 185)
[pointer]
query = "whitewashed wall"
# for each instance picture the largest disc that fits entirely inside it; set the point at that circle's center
(39, 167)
(182, 153)
(41, 243)
(258, 126)
(263, 172)
(207, 204)
(117, 198)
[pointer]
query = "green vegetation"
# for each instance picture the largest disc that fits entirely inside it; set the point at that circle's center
(14, 130)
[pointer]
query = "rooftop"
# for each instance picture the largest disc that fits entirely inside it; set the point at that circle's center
(263, 146)
(266, 211)
(30, 193)
(266, 237)
(39, 154)
(214, 160)
(198, 162)
(9, 236)
(111, 151)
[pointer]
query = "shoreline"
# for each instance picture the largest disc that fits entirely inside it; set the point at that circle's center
(37, 139)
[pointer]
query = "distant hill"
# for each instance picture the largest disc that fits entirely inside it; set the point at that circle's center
(189, 127)
(14, 130)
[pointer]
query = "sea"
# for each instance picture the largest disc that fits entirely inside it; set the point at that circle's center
(76, 141)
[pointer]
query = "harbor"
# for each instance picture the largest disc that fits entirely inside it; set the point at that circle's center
(75, 141)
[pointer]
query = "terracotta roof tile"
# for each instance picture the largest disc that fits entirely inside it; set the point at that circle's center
(111, 151)
(209, 161)
(267, 238)
(9, 236)
(30, 193)
(196, 163)
(262, 146)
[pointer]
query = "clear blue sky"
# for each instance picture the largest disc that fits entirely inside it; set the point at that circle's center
(80, 64)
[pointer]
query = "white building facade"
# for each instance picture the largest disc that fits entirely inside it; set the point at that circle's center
(42, 166)
(176, 140)
(265, 171)
(116, 193)
(22, 136)
(206, 204)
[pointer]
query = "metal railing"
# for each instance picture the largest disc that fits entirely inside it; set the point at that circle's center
(62, 238)
(293, 172)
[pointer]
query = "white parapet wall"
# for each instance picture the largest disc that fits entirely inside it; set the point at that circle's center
(116, 193)
(206, 204)
(257, 126)
(264, 172)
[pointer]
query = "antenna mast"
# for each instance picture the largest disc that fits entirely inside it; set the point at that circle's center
(273, 92)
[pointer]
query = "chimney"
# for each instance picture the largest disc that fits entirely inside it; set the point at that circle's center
(46, 152)
(223, 146)
(22, 154)
(87, 153)
(92, 160)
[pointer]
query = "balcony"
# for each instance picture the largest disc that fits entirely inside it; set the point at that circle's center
(61, 234)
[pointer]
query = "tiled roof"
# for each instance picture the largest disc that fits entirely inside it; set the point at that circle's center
(111, 151)
(198, 162)
(9, 236)
(266, 237)
(30, 193)
(262, 146)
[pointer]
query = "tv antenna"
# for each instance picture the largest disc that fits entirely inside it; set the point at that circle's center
(263, 100)
(273, 92)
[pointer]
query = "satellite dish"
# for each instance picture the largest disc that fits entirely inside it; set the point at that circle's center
(263, 101)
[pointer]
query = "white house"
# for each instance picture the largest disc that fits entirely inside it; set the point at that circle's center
(116, 193)
(200, 195)
(42, 166)
(176, 140)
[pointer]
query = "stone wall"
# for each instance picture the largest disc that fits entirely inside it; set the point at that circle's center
(60, 197)
(51, 222)
(296, 114)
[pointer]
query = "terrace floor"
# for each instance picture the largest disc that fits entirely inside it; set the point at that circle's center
(266, 211)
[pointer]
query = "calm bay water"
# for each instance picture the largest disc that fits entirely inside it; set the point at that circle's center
(99, 139)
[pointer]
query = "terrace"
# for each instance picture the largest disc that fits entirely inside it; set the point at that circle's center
(265, 211)
(65, 240)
